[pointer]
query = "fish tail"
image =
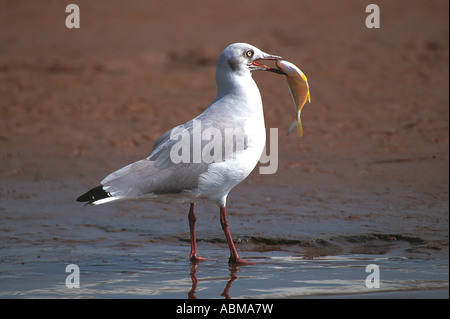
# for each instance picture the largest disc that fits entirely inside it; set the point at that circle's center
(298, 125)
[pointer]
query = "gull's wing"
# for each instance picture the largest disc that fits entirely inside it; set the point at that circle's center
(158, 174)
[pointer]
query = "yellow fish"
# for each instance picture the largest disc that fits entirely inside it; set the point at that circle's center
(298, 89)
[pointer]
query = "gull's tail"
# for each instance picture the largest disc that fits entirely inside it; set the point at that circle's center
(95, 196)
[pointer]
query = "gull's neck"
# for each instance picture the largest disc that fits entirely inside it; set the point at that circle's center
(236, 83)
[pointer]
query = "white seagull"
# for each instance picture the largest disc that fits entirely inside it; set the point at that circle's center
(184, 168)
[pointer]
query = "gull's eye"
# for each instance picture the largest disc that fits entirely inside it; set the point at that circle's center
(249, 53)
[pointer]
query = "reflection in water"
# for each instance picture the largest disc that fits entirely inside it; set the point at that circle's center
(233, 270)
(277, 277)
(226, 291)
(191, 293)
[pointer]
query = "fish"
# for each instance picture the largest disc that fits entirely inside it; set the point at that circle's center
(298, 89)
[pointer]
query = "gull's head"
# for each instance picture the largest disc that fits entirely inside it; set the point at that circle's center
(243, 58)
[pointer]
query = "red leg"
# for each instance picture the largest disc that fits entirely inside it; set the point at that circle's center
(234, 257)
(192, 219)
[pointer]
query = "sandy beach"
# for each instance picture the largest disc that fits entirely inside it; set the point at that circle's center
(368, 183)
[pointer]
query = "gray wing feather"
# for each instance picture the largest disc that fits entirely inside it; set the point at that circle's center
(158, 174)
(143, 177)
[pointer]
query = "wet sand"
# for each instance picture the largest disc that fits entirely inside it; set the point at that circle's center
(368, 182)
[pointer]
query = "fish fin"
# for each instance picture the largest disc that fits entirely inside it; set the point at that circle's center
(294, 124)
(300, 128)
(298, 125)
(308, 97)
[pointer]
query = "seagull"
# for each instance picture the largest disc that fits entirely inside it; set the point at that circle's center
(205, 157)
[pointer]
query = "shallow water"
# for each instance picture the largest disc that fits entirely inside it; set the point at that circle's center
(274, 275)
(140, 250)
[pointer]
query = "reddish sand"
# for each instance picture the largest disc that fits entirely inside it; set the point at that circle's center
(77, 104)
(369, 176)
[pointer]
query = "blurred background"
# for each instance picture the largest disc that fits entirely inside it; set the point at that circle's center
(77, 104)
(137, 68)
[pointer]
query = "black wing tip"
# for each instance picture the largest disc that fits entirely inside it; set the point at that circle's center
(93, 195)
